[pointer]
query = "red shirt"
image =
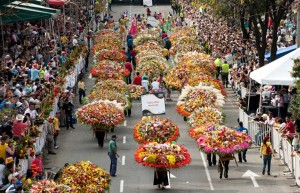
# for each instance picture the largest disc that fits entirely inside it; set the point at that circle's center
(19, 128)
(123, 52)
(39, 163)
(133, 52)
(128, 66)
(137, 80)
(290, 127)
(163, 35)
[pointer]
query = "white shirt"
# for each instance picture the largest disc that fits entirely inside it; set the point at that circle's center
(145, 84)
(155, 85)
(75, 42)
(33, 113)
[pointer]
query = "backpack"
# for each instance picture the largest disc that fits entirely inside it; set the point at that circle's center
(268, 150)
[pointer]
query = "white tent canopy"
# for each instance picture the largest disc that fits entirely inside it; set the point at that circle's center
(277, 72)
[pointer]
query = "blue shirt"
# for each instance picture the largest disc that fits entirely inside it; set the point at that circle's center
(242, 129)
(130, 42)
(34, 73)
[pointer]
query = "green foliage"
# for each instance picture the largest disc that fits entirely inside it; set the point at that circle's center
(294, 106)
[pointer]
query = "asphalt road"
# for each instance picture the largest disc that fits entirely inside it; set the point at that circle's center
(80, 144)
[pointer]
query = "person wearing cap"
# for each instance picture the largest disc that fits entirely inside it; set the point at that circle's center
(145, 83)
(19, 128)
(113, 155)
(266, 152)
(242, 155)
(38, 162)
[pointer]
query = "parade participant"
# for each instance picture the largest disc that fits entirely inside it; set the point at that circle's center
(224, 73)
(266, 152)
(128, 66)
(100, 134)
(217, 62)
(113, 155)
(241, 128)
(82, 88)
(161, 178)
(133, 28)
(68, 108)
(50, 135)
(224, 163)
(211, 158)
(137, 79)
(155, 85)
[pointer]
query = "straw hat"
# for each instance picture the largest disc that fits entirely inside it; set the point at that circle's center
(19, 117)
(9, 160)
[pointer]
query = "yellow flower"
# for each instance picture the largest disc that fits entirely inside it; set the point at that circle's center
(151, 158)
(171, 159)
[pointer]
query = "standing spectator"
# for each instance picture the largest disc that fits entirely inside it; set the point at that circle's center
(295, 144)
(8, 170)
(50, 136)
(3, 146)
(289, 128)
(266, 152)
(56, 128)
(113, 155)
(244, 152)
(11, 149)
(68, 108)
(33, 113)
(2, 167)
(82, 88)
(38, 161)
(19, 128)
(137, 79)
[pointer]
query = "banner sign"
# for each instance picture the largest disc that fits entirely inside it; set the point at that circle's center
(153, 104)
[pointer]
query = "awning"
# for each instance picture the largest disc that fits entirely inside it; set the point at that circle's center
(36, 7)
(21, 12)
(58, 2)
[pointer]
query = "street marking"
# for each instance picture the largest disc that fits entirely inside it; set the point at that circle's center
(125, 123)
(121, 185)
(124, 139)
(172, 176)
(123, 160)
(207, 172)
(252, 176)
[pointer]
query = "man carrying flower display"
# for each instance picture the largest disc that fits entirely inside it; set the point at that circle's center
(161, 177)
(113, 155)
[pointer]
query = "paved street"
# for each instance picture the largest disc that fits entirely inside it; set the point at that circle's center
(79, 144)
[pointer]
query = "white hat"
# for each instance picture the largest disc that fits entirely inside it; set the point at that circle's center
(66, 91)
(19, 117)
(7, 56)
(18, 104)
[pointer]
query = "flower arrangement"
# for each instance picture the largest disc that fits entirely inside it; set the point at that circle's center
(135, 91)
(148, 46)
(195, 80)
(114, 55)
(152, 65)
(49, 186)
(179, 49)
(143, 38)
(110, 95)
(196, 132)
(224, 141)
(106, 32)
(109, 71)
(117, 85)
(107, 42)
(192, 98)
(155, 129)
(162, 155)
(204, 115)
(85, 176)
(180, 32)
(102, 112)
(148, 53)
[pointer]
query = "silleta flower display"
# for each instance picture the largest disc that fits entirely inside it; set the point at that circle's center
(162, 155)
(155, 129)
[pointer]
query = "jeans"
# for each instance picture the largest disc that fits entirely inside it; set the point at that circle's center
(81, 94)
(113, 164)
(267, 160)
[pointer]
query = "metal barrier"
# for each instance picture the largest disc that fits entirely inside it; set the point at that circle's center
(281, 146)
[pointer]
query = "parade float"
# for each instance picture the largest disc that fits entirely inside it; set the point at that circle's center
(155, 129)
